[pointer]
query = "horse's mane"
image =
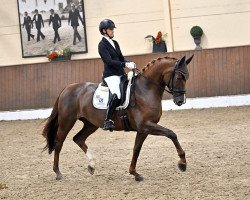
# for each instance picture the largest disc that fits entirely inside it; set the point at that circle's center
(154, 60)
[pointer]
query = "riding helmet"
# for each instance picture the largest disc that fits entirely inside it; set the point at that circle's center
(106, 24)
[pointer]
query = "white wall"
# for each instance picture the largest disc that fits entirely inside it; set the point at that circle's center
(134, 20)
(225, 22)
(192, 103)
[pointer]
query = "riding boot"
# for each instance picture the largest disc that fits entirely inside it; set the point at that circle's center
(108, 123)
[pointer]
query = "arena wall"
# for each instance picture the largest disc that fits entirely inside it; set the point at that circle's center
(213, 72)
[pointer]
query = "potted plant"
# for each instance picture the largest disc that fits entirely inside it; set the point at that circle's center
(197, 32)
(159, 44)
(59, 54)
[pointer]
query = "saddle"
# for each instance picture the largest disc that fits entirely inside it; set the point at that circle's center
(102, 93)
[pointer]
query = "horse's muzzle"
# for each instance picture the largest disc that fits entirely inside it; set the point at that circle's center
(179, 100)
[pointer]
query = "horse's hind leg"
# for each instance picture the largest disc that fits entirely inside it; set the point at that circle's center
(80, 139)
(62, 133)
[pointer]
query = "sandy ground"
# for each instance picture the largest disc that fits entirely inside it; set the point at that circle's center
(32, 47)
(216, 142)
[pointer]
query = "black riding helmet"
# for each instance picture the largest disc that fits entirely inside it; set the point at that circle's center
(106, 24)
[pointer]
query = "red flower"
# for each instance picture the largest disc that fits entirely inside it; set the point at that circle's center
(52, 55)
(158, 38)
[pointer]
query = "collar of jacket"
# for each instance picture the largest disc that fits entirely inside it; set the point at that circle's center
(110, 41)
(108, 44)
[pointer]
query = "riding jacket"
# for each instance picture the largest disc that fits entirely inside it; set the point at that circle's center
(114, 62)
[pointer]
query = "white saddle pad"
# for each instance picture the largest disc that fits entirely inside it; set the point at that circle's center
(101, 96)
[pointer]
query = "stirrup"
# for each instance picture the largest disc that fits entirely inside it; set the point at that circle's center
(108, 125)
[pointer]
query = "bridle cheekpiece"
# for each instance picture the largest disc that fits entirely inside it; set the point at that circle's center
(170, 83)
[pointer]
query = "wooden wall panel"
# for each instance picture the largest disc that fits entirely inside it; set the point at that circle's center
(213, 72)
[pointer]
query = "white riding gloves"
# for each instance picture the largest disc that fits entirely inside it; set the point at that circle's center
(130, 65)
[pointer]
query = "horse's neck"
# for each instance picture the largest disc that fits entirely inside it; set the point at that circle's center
(150, 83)
(157, 70)
(154, 73)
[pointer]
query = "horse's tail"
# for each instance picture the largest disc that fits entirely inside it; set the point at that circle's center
(50, 129)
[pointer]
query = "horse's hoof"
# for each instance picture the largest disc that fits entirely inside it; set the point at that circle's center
(59, 177)
(139, 178)
(182, 166)
(91, 169)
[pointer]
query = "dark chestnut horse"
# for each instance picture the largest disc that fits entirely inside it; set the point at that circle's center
(144, 111)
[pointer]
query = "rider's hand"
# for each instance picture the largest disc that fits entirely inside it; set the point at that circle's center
(130, 65)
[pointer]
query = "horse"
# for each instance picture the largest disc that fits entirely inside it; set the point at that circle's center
(143, 112)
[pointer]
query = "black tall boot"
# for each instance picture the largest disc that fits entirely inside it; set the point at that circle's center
(108, 123)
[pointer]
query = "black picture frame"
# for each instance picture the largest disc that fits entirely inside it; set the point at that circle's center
(35, 47)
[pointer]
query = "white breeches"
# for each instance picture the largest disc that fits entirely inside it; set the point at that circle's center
(113, 83)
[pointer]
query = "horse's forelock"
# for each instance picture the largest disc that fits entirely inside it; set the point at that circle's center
(184, 71)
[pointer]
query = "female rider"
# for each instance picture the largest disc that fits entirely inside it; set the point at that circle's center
(114, 64)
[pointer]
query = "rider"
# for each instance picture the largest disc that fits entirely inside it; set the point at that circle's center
(114, 62)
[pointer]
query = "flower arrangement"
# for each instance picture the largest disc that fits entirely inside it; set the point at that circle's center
(64, 53)
(158, 39)
(159, 44)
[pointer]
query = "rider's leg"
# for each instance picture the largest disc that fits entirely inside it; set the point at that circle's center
(108, 122)
(113, 83)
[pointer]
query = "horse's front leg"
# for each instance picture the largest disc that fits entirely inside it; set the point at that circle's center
(140, 138)
(155, 129)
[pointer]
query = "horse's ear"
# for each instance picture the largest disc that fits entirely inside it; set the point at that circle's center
(189, 59)
(182, 61)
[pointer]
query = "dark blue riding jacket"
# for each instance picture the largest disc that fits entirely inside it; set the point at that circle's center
(113, 60)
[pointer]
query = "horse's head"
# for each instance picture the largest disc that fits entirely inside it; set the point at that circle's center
(170, 72)
(177, 80)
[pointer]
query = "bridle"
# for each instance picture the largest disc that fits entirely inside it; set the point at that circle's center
(170, 84)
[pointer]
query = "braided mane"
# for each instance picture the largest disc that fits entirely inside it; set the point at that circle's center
(153, 62)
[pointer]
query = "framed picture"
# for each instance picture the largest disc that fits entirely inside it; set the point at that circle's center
(51, 24)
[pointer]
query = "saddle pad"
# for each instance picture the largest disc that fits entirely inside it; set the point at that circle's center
(101, 97)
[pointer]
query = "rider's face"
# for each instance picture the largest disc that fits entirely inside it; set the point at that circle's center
(110, 32)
